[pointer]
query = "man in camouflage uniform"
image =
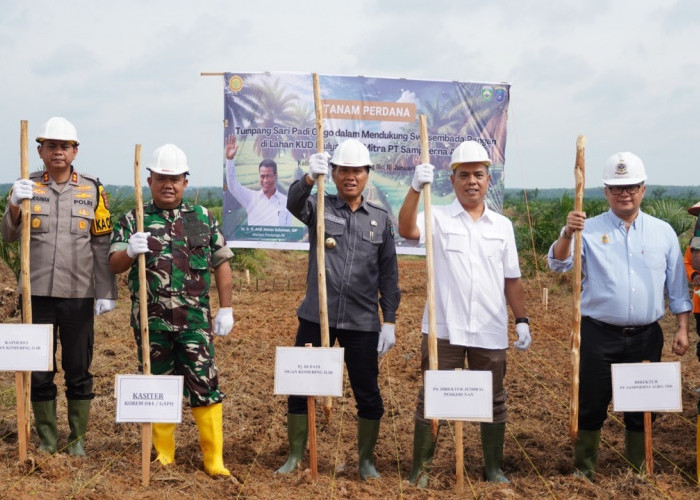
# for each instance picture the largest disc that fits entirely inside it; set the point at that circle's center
(70, 234)
(181, 242)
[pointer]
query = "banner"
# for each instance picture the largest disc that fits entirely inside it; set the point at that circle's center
(270, 132)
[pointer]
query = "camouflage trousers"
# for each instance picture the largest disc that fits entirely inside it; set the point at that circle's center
(189, 353)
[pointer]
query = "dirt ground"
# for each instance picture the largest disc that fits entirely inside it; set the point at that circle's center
(538, 453)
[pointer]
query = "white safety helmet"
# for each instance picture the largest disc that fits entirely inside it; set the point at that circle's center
(168, 159)
(469, 152)
(351, 153)
(59, 129)
(624, 169)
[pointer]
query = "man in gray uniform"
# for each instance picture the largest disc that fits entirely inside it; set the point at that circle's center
(361, 265)
(70, 234)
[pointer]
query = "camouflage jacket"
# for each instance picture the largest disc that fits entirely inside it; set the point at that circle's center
(184, 244)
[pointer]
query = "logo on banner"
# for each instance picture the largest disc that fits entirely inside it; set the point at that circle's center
(486, 93)
(235, 83)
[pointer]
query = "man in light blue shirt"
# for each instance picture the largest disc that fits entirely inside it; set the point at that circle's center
(630, 261)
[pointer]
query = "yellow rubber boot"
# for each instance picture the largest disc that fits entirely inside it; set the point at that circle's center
(164, 442)
(211, 438)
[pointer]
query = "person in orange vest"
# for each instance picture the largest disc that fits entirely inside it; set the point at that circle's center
(694, 279)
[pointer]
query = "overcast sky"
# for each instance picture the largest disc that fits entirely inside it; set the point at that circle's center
(626, 74)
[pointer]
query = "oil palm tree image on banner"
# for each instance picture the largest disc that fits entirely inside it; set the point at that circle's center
(270, 132)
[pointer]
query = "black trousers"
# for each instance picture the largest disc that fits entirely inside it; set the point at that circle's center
(602, 346)
(360, 361)
(73, 323)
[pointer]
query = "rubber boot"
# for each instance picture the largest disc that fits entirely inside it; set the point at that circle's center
(634, 450)
(586, 454)
(78, 415)
(211, 438)
(423, 452)
(367, 433)
(45, 418)
(492, 437)
(297, 435)
(164, 442)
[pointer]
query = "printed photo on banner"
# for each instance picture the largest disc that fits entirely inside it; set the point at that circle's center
(270, 132)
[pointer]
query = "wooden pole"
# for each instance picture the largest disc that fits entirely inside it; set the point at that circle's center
(320, 239)
(430, 270)
(143, 317)
(311, 413)
(648, 445)
(697, 447)
(459, 453)
(23, 379)
(580, 176)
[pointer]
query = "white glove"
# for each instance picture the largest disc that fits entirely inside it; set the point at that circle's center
(103, 306)
(318, 164)
(422, 175)
(524, 339)
(138, 243)
(223, 323)
(22, 189)
(387, 339)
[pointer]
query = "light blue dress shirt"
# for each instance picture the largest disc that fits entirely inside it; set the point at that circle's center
(627, 273)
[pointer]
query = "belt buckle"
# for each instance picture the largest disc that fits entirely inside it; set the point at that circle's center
(630, 330)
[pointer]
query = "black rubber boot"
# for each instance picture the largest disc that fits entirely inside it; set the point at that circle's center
(423, 452)
(586, 454)
(297, 434)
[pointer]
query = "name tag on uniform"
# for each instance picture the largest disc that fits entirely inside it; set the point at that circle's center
(334, 218)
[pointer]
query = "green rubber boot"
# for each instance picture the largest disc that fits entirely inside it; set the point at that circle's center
(297, 434)
(492, 437)
(45, 420)
(367, 433)
(78, 415)
(634, 450)
(423, 452)
(586, 454)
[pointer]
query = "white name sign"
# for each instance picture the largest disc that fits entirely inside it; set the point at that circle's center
(647, 387)
(459, 395)
(26, 348)
(309, 371)
(149, 398)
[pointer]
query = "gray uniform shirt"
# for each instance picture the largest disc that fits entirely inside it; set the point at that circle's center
(70, 235)
(361, 270)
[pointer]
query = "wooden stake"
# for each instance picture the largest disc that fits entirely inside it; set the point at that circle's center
(23, 379)
(430, 270)
(648, 445)
(580, 176)
(459, 453)
(146, 436)
(311, 413)
(320, 238)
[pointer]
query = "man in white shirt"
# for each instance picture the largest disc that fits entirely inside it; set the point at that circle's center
(476, 263)
(266, 207)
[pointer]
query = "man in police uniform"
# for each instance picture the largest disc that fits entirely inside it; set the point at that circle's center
(182, 242)
(70, 235)
(361, 265)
